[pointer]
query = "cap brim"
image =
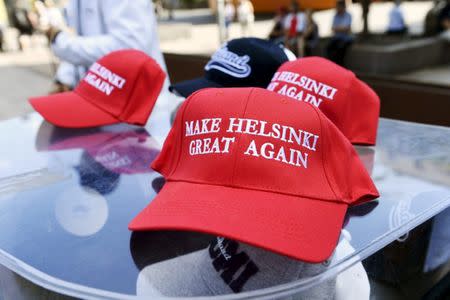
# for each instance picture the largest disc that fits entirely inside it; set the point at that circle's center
(71, 111)
(186, 88)
(301, 228)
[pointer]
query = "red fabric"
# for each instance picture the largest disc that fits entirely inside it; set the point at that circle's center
(354, 108)
(295, 210)
(122, 86)
(70, 110)
(272, 221)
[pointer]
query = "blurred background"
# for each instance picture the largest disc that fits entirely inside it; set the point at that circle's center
(401, 48)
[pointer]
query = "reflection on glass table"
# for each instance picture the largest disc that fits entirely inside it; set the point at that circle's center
(67, 196)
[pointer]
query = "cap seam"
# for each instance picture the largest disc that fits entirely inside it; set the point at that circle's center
(258, 190)
(180, 148)
(348, 104)
(154, 95)
(240, 136)
(323, 151)
(133, 91)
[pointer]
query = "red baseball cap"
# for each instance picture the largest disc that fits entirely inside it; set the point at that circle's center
(260, 168)
(347, 101)
(122, 86)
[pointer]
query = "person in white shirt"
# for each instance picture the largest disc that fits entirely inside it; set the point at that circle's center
(230, 13)
(48, 14)
(98, 27)
(294, 26)
(396, 20)
(246, 16)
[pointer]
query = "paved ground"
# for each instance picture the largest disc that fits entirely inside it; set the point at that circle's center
(29, 73)
(22, 75)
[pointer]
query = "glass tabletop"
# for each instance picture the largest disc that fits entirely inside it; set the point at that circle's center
(67, 196)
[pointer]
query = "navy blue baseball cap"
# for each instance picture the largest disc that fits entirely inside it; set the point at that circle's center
(244, 62)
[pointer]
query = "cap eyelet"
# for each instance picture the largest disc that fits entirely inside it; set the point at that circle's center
(326, 263)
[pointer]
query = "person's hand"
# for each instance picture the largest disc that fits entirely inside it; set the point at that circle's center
(51, 33)
(446, 24)
(59, 87)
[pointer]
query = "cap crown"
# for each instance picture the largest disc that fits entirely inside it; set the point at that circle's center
(348, 102)
(251, 138)
(245, 62)
(125, 84)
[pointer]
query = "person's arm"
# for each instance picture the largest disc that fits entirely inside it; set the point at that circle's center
(334, 25)
(341, 29)
(286, 26)
(402, 18)
(277, 28)
(127, 24)
(302, 23)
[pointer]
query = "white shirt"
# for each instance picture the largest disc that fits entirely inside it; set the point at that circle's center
(301, 22)
(104, 26)
(245, 12)
(229, 12)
